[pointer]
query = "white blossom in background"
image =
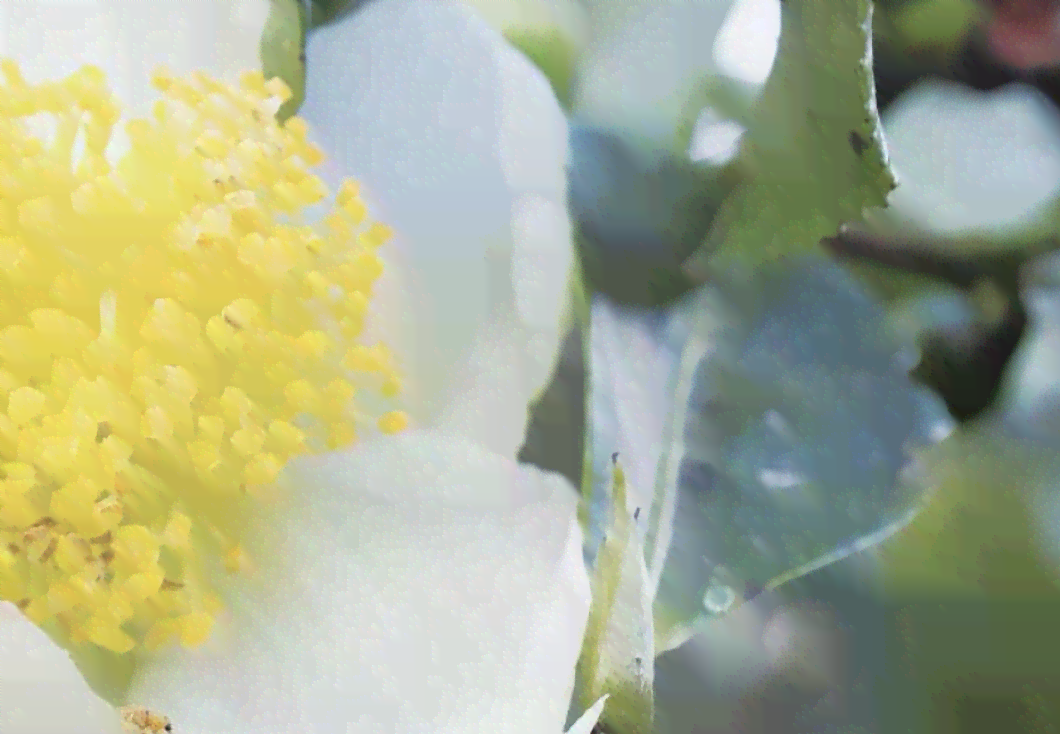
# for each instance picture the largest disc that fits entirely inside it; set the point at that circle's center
(972, 161)
(410, 583)
(747, 42)
(714, 139)
(1030, 397)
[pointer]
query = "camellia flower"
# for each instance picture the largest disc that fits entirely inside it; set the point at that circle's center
(257, 449)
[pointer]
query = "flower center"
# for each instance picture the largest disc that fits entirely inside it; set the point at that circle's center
(172, 331)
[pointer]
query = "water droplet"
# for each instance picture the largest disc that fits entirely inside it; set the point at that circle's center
(718, 599)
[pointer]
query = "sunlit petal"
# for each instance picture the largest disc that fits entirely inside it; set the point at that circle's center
(416, 584)
(128, 38)
(41, 692)
(451, 139)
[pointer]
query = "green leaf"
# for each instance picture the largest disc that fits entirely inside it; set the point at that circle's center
(642, 375)
(636, 371)
(990, 527)
(974, 538)
(283, 51)
(659, 535)
(814, 155)
(795, 434)
(639, 216)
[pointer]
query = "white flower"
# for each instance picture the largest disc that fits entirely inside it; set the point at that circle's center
(424, 582)
(973, 162)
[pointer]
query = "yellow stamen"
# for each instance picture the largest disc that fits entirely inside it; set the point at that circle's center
(172, 332)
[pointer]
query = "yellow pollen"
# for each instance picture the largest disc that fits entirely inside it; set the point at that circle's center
(172, 331)
(393, 422)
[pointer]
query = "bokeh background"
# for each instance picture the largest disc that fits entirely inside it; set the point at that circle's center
(949, 626)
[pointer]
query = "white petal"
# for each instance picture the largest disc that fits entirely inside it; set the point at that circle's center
(41, 692)
(523, 337)
(970, 160)
(542, 233)
(532, 129)
(586, 722)
(447, 140)
(644, 62)
(417, 584)
(714, 139)
(747, 43)
(482, 391)
(128, 38)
